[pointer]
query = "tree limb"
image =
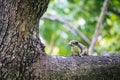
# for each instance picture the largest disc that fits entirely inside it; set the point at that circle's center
(69, 25)
(78, 68)
(97, 30)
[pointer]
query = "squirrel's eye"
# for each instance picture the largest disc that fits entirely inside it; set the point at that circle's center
(76, 43)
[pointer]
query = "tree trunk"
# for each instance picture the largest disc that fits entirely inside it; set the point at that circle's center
(22, 55)
(19, 43)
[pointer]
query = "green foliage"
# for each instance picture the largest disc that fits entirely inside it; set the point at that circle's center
(84, 15)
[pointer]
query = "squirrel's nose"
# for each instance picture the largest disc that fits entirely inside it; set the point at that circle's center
(69, 44)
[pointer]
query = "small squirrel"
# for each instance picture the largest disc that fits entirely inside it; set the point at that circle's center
(78, 49)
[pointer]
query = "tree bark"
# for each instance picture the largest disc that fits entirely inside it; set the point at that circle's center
(78, 68)
(20, 45)
(22, 55)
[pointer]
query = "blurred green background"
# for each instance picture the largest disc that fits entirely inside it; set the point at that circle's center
(83, 14)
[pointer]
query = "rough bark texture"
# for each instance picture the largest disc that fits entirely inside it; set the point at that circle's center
(78, 68)
(19, 42)
(22, 55)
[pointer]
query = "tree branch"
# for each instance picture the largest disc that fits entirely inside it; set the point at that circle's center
(78, 68)
(69, 25)
(97, 30)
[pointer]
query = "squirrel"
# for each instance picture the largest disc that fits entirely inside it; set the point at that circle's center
(78, 49)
